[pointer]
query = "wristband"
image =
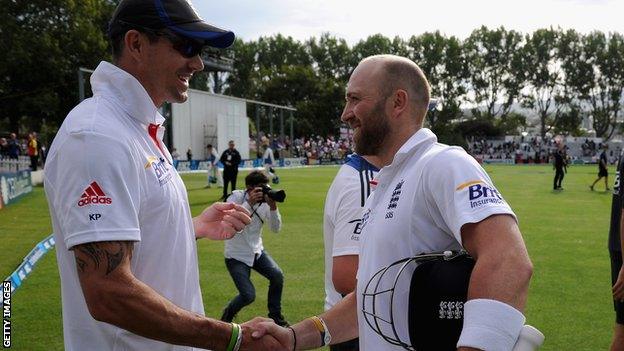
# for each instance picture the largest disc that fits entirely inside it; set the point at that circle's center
(323, 330)
(236, 330)
(294, 338)
(239, 339)
(490, 325)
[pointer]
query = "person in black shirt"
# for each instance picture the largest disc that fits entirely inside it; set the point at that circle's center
(230, 159)
(615, 252)
(559, 166)
(602, 170)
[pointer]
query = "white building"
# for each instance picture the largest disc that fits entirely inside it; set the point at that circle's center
(207, 118)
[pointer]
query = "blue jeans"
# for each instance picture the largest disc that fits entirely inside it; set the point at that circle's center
(240, 272)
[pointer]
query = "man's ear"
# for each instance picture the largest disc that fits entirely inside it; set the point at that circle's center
(135, 44)
(400, 101)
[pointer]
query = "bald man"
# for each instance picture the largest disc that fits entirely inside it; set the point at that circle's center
(430, 197)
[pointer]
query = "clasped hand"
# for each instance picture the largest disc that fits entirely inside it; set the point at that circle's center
(263, 334)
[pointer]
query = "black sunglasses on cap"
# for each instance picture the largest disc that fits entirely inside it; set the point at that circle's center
(185, 46)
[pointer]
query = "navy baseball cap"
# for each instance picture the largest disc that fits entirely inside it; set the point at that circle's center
(178, 16)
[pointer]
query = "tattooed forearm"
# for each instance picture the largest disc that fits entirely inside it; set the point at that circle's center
(93, 252)
(107, 255)
(115, 258)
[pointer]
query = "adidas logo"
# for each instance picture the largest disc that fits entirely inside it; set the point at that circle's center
(93, 194)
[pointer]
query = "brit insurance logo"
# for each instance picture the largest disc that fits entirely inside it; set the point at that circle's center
(94, 195)
(357, 229)
(480, 193)
(161, 170)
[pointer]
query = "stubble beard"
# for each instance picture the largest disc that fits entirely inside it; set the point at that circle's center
(373, 132)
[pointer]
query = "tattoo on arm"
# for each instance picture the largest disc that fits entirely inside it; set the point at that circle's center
(105, 254)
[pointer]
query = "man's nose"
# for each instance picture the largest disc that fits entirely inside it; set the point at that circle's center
(196, 63)
(347, 114)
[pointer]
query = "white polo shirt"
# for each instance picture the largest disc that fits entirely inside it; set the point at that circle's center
(411, 213)
(343, 215)
(245, 245)
(109, 177)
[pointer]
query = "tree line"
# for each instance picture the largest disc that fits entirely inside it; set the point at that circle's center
(559, 75)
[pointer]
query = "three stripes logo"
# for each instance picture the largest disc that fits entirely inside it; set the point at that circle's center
(93, 194)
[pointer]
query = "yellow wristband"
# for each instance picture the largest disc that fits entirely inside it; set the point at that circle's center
(318, 324)
(323, 330)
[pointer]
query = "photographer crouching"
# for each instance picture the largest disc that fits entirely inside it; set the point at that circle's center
(245, 251)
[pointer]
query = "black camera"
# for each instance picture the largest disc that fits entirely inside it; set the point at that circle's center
(275, 195)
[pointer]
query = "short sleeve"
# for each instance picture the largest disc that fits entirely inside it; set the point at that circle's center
(347, 220)
(460, 190)
(97, 189)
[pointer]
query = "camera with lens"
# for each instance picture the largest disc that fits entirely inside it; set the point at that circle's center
(275, 195)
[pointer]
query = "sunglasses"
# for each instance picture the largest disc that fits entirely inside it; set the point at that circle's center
(185, 46)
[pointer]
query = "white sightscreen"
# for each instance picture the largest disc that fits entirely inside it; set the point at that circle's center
(209, 118)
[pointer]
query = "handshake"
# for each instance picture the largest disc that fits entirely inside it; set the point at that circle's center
(261, 334)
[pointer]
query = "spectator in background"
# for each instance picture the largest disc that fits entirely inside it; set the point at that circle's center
(213, 173)
(175, 155)
(189, 155)
(44, 154)
(14, 149)
(603, 172)
(559, 165)
(230, 159)
(268, 158)
(33, 151)
(4, 147)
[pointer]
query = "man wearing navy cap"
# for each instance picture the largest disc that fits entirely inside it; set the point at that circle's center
(125, 236)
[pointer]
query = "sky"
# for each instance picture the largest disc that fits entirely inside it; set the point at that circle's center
(355, 20)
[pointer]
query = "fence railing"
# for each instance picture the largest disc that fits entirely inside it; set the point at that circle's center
(14, 165)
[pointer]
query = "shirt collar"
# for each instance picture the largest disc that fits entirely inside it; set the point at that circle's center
(419, 141)
(112, 81)
(422, 139)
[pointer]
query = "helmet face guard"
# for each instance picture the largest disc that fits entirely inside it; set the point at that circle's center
(436, 292)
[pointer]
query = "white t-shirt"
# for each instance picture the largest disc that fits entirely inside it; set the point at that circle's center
(109, 177)
(408, 215)
(245, 245)
(342, 216)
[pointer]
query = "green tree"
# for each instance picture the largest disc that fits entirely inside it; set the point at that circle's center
(545, 91)
(373, 45)
(332, 57)
(44, 43)
(441, 60)
(569, 121)
(495, 70)
(240, 82)
(594, 70)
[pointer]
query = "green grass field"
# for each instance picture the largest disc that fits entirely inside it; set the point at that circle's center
(566, 234)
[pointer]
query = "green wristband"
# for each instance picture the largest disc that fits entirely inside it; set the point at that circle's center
(234, 337)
